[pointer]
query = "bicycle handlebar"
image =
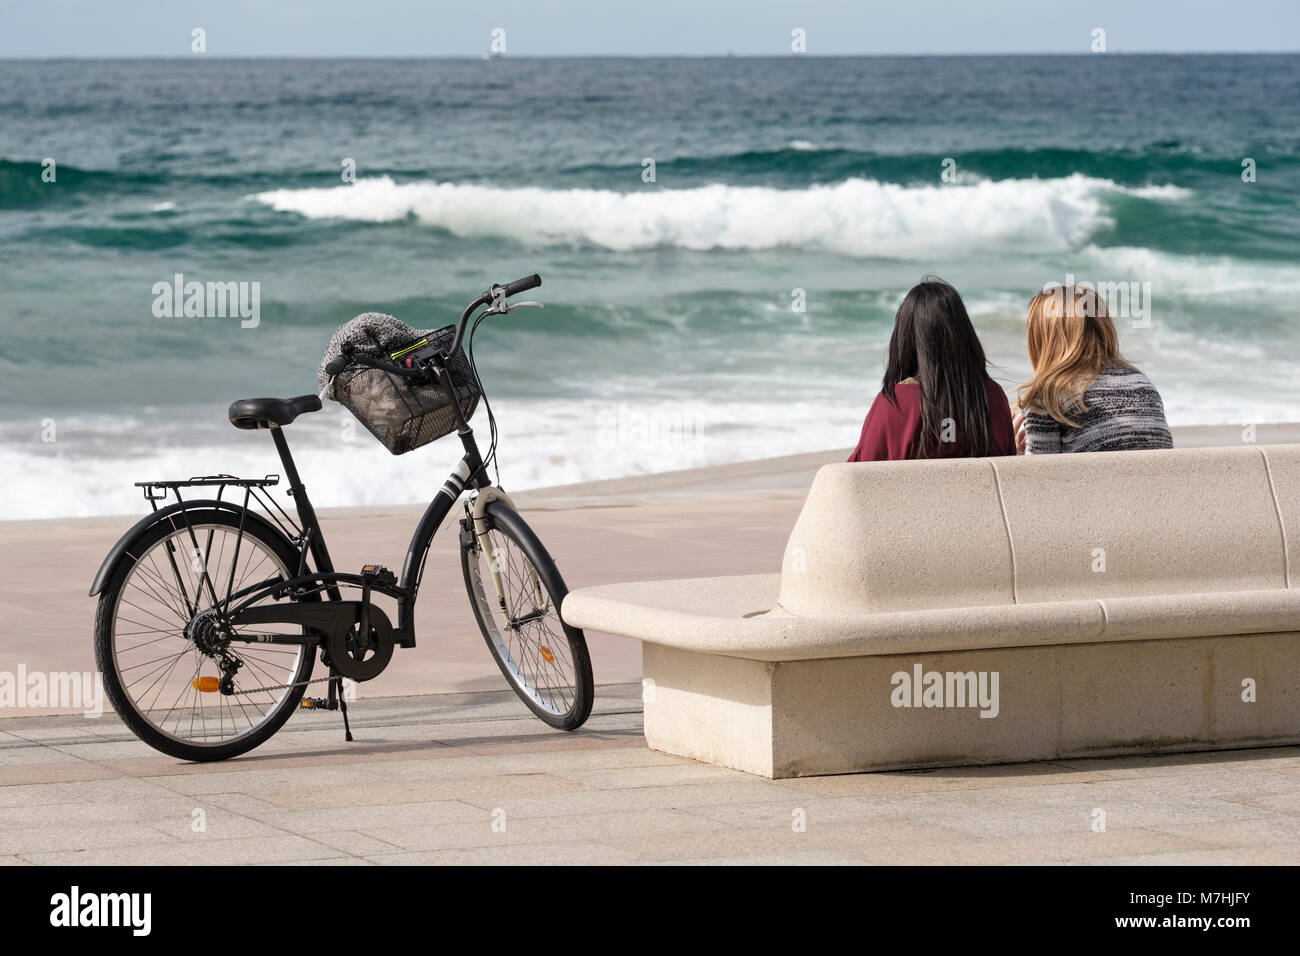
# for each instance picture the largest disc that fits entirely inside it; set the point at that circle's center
(492, 294)
(522, 285)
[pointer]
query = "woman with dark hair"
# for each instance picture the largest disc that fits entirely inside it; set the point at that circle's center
(936, 399)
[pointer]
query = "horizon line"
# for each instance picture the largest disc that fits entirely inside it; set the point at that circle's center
(480, 56)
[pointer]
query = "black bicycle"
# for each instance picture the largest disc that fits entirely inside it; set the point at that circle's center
(213, 610)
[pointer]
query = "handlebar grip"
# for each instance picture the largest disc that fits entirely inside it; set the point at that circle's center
(522, 285)
(336, 366)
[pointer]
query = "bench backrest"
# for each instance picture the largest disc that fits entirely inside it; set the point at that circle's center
(900, 536)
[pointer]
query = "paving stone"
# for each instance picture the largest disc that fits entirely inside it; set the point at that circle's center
(41, 794)
(1202, 858)
(1044, 848)
(117, 789)
(55, 837)
(1209, 760)
(466, 761)
(356, 844)
(96, 751)
(53, 771)
(311, 822)
(332, 861)
(378, 793)
(77, 814)
(1278, 831)
(240, 803)
(268, 777)
(1258, 856)
(974, 778)
(218, 824)
(1280, 802)
(802, 858)
(598, 827)
(540, 854)
(644, 798)
(716, 841)
(623, 778)
(781, 813)
(280, 849)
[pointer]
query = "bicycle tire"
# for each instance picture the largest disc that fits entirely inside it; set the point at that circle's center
(523, 670)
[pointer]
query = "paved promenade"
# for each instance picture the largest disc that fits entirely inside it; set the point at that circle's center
(464, 774)
(470, 778)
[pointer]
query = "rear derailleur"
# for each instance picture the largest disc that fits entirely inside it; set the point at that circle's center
(211, 638)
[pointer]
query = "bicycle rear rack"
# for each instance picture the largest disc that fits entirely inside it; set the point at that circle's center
(255, 489)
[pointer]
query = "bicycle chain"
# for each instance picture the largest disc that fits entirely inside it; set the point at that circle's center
(301, 683)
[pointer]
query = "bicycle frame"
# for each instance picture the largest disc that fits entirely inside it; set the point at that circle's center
(469, 472)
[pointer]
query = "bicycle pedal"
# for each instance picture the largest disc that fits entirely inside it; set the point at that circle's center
(379, 574)
(317, 703)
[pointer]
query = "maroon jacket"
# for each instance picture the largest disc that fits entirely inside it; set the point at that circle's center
(890, 434)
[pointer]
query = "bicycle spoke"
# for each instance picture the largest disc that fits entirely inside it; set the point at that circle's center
(525, 629)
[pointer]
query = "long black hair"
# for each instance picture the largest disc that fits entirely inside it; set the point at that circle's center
(935, 343)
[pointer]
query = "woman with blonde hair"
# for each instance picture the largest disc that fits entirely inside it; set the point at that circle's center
(1084, 395)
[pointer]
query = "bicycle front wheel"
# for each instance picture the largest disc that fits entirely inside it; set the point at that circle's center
(516, 592)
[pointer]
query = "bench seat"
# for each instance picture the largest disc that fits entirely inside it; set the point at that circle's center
(1123, 602)
(738, 617)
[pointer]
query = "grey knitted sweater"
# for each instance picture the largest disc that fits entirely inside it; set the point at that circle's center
(1124, 413)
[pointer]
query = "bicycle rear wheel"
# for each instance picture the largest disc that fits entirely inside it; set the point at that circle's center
(544, 660)
(146, 649)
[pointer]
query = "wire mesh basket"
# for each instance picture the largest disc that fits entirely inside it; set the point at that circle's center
(402, 414)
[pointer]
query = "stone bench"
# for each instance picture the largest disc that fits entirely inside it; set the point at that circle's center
(941, 613)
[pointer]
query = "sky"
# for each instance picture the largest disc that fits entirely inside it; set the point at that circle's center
(411, 28)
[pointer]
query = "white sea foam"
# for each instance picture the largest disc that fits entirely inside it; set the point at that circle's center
(1191, 276)
(1165, 191)
(542, 444)
(857, 217)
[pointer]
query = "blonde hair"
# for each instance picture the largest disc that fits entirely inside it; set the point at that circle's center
(1071, 342)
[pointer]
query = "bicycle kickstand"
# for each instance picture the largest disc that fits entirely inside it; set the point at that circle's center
(336, 694)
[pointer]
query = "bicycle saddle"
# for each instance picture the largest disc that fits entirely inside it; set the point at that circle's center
(264, 412)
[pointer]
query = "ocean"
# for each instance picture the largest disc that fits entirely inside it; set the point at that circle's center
(723, 243)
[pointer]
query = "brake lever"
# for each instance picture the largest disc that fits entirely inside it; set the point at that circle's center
(506, 310)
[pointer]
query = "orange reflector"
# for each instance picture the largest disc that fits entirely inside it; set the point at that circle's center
(206, 685)
(546, 652)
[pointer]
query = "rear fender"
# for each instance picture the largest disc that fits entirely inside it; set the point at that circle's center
(121, 551)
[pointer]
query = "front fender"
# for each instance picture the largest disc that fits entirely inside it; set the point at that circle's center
(120, 550)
